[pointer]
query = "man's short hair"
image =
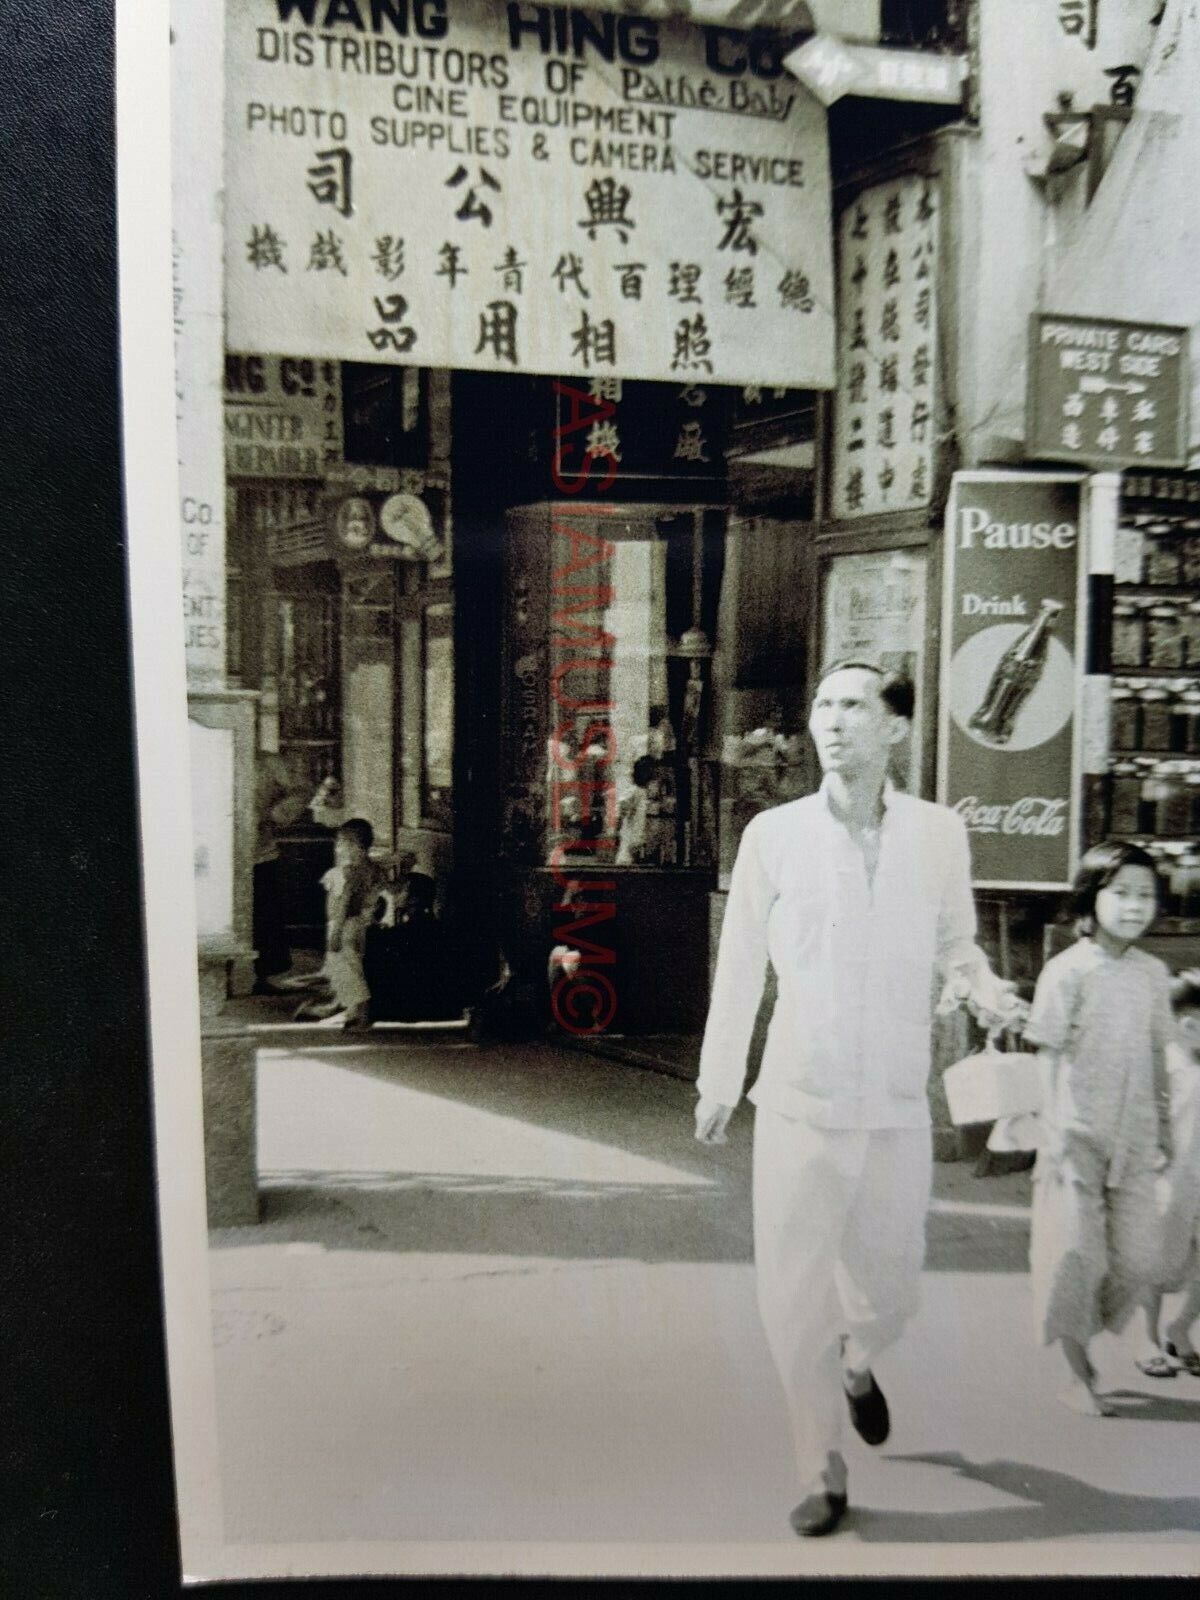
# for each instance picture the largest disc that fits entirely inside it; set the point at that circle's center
(896, 689)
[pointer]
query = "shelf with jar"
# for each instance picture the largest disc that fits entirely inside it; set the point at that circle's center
(1155, 633)
(1157, 552)
(1155, 716)
(1154, 797)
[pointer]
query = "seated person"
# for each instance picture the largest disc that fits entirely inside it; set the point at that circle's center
(411, 970)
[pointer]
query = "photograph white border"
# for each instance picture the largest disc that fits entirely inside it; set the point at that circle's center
(155, 584)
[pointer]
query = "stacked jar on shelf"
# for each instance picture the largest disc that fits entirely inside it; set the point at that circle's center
(1154, 793)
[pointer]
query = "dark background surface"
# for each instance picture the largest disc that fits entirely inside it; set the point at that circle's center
(86, 1494)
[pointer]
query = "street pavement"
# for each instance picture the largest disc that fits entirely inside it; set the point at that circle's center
(500, 1294)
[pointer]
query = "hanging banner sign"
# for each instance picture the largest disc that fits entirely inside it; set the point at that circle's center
(1012, 673)
(521, 188)
(283, 416)
(1108, 394)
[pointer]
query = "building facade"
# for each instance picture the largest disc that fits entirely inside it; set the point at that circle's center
(555, 628)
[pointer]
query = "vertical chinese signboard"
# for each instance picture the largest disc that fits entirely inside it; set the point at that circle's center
(884, 415)
(524, 188)
(1108, 394)
(1012, 673)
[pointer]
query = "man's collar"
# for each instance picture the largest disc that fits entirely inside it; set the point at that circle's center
(887, 795)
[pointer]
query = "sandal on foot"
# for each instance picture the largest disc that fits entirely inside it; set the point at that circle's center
(818, 1514)
(1156, 1366)
(1189, 1362)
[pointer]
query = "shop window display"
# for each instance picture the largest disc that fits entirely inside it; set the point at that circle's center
(613, 666)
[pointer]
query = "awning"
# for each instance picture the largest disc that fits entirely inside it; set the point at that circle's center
(848, 19)
(1134, 254)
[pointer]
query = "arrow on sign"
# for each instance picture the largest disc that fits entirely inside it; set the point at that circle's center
(1099, 385)
(829, 69)
(825, 67)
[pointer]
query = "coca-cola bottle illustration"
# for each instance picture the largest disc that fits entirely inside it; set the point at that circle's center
(1016, 676)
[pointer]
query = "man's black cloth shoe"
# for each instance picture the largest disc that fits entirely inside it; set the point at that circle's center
(869, 1413)
(818, 1514)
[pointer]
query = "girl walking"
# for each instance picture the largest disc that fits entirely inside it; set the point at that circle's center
(1102, 1020)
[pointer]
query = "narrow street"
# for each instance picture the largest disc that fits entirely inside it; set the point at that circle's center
(501, 1295)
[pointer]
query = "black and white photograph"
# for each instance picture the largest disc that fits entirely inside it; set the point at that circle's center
(646, 1081)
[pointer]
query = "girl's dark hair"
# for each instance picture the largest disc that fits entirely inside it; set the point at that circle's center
(1099, 867)
(1185, 991)
(360, 830)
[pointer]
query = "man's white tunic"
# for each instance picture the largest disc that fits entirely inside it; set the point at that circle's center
(849, 1042)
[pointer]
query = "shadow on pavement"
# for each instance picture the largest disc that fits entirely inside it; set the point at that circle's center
(1167, 1406)
(564, 1091)
(423, 1213)
(976, 1244)
(703, 1218)
(1056, 1506)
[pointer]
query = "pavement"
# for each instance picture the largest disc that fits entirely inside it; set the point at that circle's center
(500, 1294)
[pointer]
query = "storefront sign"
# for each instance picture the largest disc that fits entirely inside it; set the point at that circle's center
(283, 416)
(1108, 394)
(651, 431)
(521, 188)
(849, 19)
(884, 415)
(874, 610)
(400, 527)
(1012, 670)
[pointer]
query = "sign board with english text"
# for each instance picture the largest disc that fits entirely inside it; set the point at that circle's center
(1013, 621)
(283, 416)
(522, 188)
(1107, 394)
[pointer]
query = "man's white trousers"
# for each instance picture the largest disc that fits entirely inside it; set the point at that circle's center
(839, 1242)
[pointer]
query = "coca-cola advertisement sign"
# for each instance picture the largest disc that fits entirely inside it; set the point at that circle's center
(1011, 674)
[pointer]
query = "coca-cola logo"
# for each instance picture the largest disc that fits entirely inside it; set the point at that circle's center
(1034, 815)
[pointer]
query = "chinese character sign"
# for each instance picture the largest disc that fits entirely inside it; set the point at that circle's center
(283, 416)
(524, 189)
(1108, 394)
(1011, 674)
(1099, 47)
(884, 413)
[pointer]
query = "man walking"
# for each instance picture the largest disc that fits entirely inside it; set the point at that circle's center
(858, 895)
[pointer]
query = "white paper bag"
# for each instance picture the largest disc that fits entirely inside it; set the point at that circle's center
(993, 1084)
